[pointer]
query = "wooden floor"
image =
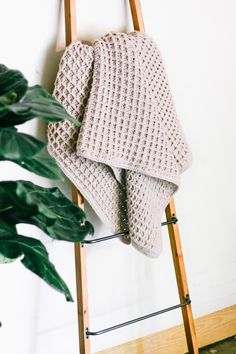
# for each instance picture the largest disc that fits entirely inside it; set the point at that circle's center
(227, 346)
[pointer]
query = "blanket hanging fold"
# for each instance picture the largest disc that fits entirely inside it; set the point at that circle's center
(127, 156)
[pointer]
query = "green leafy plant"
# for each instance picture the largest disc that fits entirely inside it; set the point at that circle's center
(23, 201)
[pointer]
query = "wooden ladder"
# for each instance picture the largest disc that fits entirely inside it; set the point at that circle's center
(80, 250)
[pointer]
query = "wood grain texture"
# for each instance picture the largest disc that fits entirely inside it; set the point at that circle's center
(81, 284)
(210, 328)
(137, 16)
(70, 21)
(181, 279)
(173, 229)
(80, 251)
(82, 297)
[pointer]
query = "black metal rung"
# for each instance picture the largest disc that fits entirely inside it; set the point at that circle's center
(127, 323)
(173, 220)
(105, 238)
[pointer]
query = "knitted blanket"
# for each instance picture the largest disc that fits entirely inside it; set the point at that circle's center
(128, 154)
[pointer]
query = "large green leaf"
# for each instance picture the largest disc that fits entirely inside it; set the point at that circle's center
(37, 103)
(47, 208)
(12, 81)
(44, 106)
(25, 202)
(35, 258)
(28, 152)
(4, 228)
(20, 103)
(18, 146)
(42, 164)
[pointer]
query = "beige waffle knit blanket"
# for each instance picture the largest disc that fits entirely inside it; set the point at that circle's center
(127, 157)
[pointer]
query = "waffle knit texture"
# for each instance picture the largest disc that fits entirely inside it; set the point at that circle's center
(128, 154)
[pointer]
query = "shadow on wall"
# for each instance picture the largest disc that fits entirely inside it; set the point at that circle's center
(50, 69)
(52, 58)
(49, 73)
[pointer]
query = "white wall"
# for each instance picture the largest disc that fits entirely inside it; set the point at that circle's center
(197, 41)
